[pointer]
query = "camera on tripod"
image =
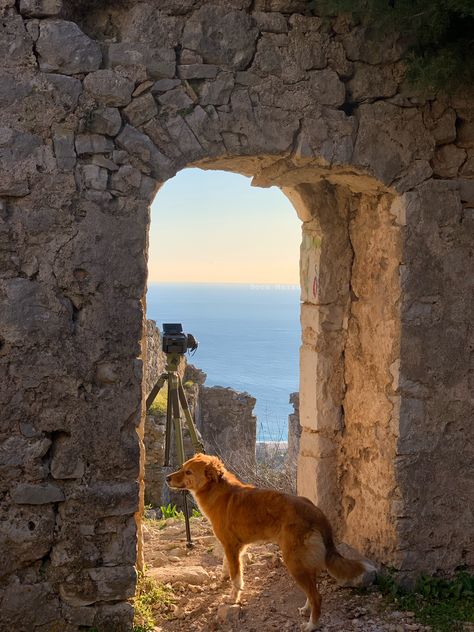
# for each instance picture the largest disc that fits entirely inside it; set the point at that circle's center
(176, 341)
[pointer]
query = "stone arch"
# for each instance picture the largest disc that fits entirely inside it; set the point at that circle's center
(101, 103)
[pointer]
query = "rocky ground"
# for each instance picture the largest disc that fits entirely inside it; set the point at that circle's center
(270, 599)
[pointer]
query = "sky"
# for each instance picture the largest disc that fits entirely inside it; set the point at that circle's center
(213, 227)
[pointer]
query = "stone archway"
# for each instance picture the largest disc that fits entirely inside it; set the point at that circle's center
(103, 103)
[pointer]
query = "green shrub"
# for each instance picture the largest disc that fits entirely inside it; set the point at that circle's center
(160, 403)
(444, 604)
(170, 511)
(439, 35)
(150, 599)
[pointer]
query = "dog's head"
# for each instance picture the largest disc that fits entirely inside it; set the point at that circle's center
(196, 473)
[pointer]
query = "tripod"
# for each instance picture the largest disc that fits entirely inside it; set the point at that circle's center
(176, 399)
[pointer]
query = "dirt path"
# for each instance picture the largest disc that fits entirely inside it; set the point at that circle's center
(270, 599)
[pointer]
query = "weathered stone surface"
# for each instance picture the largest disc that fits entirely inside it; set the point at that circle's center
(198, 71)
(69, 88)
(213, 24)
(141, 109)
(159, 63)
(109, 88)
(26, 494)
(448, 160)
(141, 146)
(227, 425)
(63, 47)
(106, 120)
(93, 144)
(40, 8)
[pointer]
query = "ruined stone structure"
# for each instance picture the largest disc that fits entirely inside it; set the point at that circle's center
(102, 102)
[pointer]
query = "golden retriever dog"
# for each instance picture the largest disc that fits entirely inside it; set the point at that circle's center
(241, 514)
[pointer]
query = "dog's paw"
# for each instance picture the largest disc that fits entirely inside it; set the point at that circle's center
(235, 595)
(305, 610)
(309, 627)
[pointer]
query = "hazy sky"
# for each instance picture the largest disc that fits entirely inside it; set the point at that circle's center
(212, 226)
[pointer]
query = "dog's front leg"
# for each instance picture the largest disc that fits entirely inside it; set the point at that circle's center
(232, 554)
(225, 569)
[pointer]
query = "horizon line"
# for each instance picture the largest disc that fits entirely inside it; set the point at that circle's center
(262, 283)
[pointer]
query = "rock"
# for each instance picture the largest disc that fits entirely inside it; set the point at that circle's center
(40, 8)
(163, 85)
(67, 88)
(466, 191)
(94, 177)
(198, 71)
(177, 99)
(327, 87)
(159, 62)
(448, 160)
(212, 24)
(270, 22)
(126, 179)
(217, 92)
(41, 494)
(141, 109)
(109, 88)
(63, 47)
(465, 133)
(141, 146)
(93, 144)
(105, 120)
(226, 421)
(194, 575)
(114, 582)
(229, 613)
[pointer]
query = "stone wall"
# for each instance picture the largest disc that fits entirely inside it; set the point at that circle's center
(228, 425)
(101, 103)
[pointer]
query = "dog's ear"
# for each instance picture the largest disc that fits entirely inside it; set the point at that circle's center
(214, 470)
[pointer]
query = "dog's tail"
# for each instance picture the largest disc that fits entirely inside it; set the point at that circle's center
(340, 567)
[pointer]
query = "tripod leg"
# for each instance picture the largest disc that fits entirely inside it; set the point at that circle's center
(155, 390)
(168, 429)
(193, 431)
(178, 434)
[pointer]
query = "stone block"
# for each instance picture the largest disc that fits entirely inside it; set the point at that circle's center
(40, 8)
(94, 177)
(217, 92)
(109, 88)
(270, 22)
(43, 606)
(198, 71)
(67, 89)
(114, 582)
(62, 47)
(163, 85)
(448, 160)
(176, 99)
(159, 63)
(141, 146)
(66, 462)
(41, 494)
(25, 536)
(327, 87)
(466, 191)
(93, 144)
(212, 24)
(141, 109)
(106, 120)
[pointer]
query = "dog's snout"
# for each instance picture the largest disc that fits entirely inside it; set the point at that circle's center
(168, 478)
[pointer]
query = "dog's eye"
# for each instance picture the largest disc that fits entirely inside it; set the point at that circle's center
(188, 472)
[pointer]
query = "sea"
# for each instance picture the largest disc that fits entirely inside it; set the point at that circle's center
(249, 338)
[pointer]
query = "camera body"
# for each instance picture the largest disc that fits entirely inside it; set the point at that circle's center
(174, 340)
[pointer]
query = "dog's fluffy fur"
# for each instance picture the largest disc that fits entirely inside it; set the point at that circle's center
(241, 514)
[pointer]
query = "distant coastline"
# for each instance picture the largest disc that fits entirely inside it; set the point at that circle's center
(249, 335)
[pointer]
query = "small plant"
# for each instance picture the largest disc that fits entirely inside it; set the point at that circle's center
(195, 513)
(444, 604)
(160, 403)
(151, 598)
(170, 511)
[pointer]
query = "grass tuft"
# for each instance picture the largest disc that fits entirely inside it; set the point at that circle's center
(151, 598)
(443, 604)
